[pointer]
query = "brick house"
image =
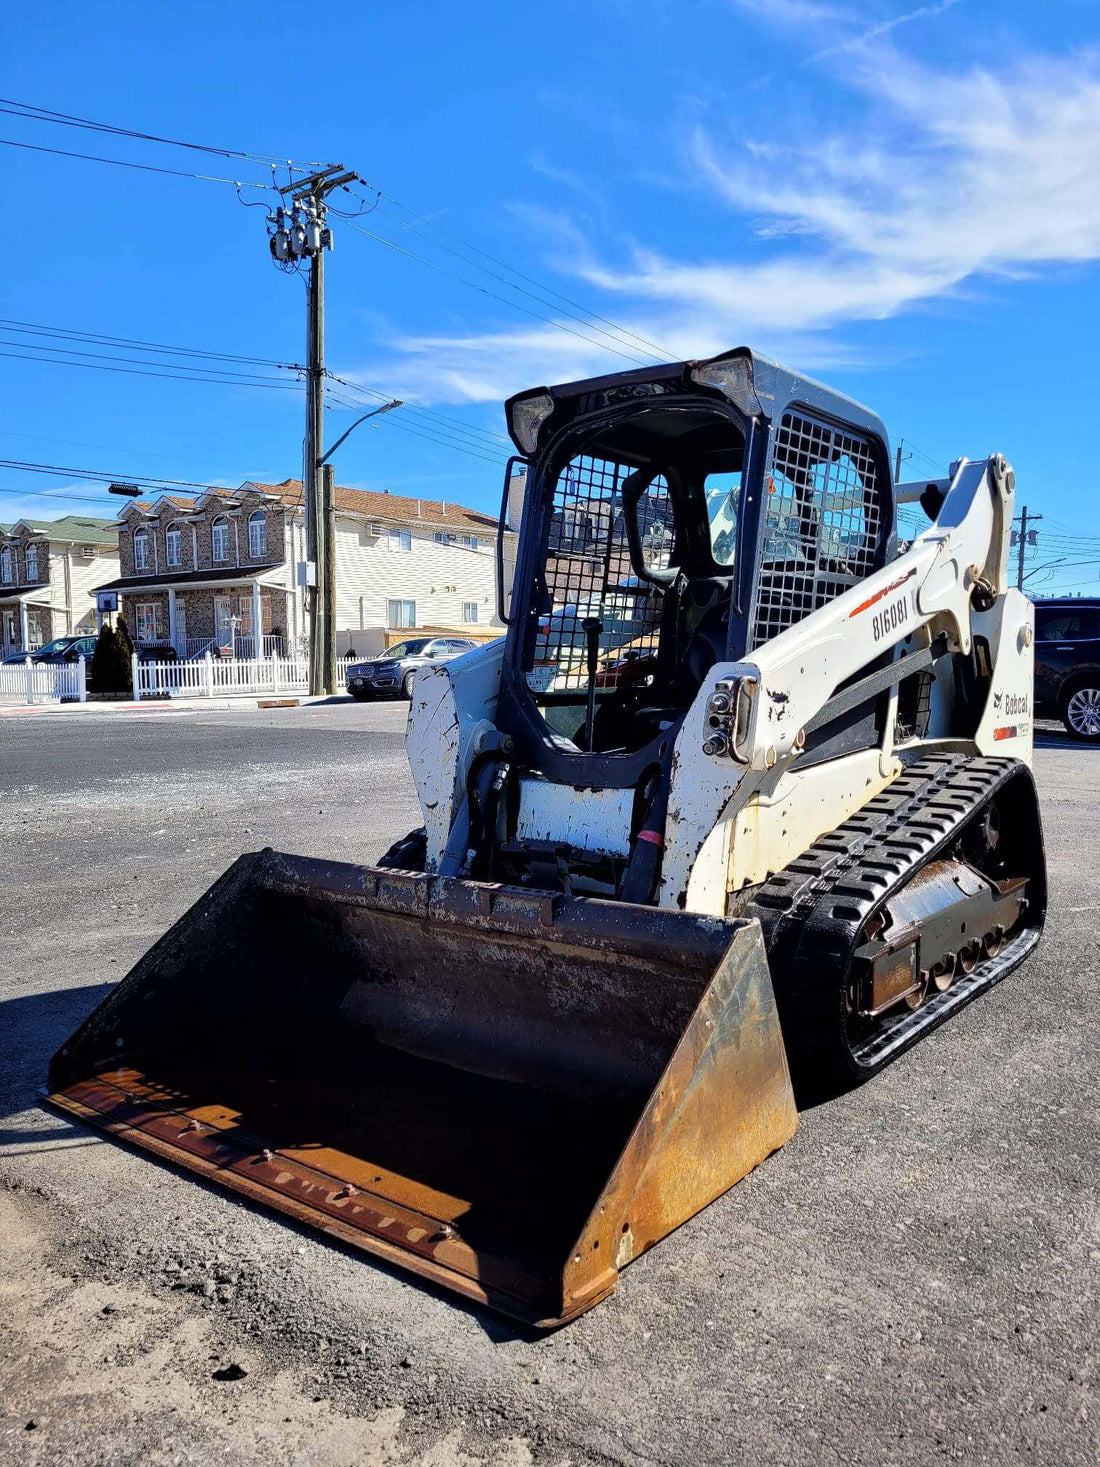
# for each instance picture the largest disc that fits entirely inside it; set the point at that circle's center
(205, 573)
(49, 573)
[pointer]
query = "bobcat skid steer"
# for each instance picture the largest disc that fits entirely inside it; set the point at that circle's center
(742, 795)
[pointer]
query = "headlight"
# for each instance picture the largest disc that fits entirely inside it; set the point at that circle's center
(528, 416)
(733, 377)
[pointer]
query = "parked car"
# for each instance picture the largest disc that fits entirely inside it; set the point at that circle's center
(1067, 663)
(61, 649)
(392, 672)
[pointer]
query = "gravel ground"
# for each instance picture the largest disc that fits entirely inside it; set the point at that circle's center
(913, 1278)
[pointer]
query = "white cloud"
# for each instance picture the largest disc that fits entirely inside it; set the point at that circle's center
(945, 180)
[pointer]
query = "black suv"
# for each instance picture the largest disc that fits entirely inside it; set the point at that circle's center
(1067, 663)
(392, 671)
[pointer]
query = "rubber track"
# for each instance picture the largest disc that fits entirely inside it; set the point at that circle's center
(813, 911)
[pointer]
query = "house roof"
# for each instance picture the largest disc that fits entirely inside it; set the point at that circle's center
(397, 508)
(191, 577)
(77, 528)
(148, 506)
(16, 593)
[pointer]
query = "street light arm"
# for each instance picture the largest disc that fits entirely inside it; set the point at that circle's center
(1048, 566)
(374, 413)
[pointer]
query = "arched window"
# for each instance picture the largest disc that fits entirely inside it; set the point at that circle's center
(219, 539)
(5, 564)
(141, 550)
(172, 543)
(32, 562)
(257, 535)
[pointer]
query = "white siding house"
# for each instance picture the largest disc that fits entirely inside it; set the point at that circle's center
(220, 571)
(49, 573)
(401, 563)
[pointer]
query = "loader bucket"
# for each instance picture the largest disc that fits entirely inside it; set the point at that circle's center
(508, 1092)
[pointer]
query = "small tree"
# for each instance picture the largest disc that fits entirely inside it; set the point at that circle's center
(110, 664)
(125, 641)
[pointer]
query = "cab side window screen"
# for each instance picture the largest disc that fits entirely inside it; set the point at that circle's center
(823, 521)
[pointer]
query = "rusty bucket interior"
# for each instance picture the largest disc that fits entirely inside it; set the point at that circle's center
(510, 1093)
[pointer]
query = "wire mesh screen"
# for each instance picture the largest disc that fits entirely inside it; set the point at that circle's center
(823, 522)
(589, 574)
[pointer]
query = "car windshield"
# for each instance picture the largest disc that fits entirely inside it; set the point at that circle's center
(60, 644)
(405, 649)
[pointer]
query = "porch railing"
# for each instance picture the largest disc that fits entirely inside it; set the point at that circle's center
(271, 645)
(194, 646)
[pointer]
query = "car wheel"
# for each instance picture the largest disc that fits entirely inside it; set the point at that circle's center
(407, 686)
(1081, 711)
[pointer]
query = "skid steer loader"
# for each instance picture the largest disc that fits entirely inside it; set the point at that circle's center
(739, 808)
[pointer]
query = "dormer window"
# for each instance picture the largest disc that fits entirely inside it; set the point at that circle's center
(32, 562)
(5, 565)
(172, 542)
(219, 539)
(141, 550)
(257, 535)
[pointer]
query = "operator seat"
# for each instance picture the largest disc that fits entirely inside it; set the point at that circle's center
(632, 720)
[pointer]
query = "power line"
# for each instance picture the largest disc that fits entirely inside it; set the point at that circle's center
(151, 481)
(114, 448)
(620, 333)
(35, 113)
(457, 445)
(72, 333)
(479, 437)
(147, 371)
(663, 353)
(473, 285)
(55, 494)
(442, 418)
(190, 365)
(122, 163)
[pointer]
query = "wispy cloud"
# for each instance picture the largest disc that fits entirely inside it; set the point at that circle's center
(944, 181)
(885, 27)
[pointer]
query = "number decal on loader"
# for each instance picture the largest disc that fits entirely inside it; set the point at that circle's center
(890, 618)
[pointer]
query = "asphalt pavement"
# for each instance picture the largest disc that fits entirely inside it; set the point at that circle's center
(913, 1278)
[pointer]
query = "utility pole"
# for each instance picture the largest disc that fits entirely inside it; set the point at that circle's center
(897, 461)
(328, 588)
(297, 232)
(1024, 539)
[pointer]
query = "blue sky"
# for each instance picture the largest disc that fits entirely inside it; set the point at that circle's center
(902, 198)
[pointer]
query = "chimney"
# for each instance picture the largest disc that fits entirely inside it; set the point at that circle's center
(418, 509)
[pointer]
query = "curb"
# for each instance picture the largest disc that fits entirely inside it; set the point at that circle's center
(174, 705)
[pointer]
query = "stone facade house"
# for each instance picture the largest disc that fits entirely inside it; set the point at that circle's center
(220, 572)
(49, 573)
(208, 573)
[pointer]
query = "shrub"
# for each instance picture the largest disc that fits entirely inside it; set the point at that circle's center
(110, 664)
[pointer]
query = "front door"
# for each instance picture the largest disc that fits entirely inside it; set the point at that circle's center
(9, 631)
(181, 626)
(223, 622)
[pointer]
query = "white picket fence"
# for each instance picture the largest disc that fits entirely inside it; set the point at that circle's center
(209, 677)
(29, 682)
